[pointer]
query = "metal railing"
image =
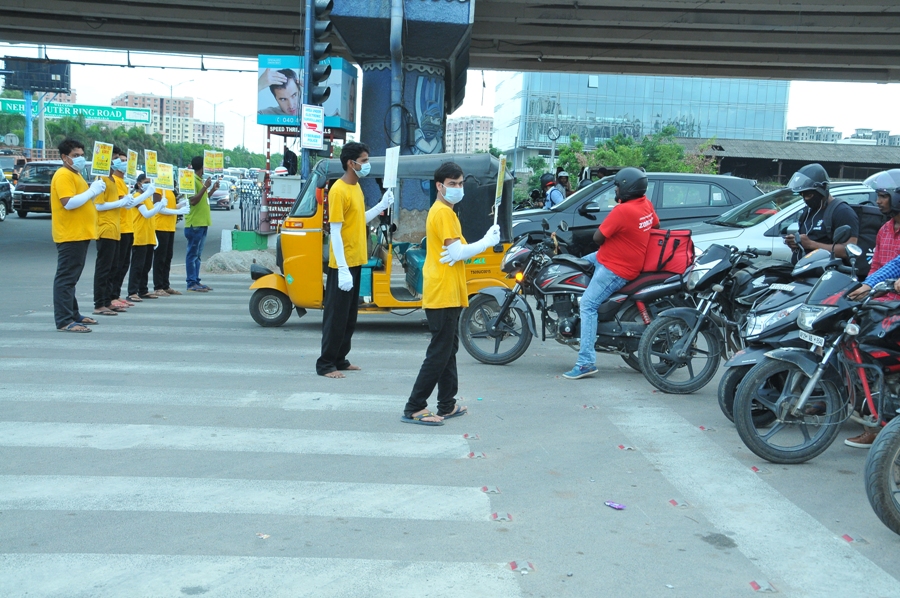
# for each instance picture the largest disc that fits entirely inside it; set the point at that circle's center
(251, 199)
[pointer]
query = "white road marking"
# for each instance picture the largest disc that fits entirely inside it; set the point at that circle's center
(261, 440)
(163, 576)
(782, 539)
(227, 496)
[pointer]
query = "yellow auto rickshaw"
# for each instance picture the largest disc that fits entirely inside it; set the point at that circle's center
(302, 246)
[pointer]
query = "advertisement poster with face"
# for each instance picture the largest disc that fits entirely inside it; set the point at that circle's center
(280, 92)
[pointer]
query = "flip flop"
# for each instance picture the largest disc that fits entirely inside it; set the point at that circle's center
(104, 312)
(417, 419)
(457, 412)
(134, 298)
(74, 327)
(86, 320)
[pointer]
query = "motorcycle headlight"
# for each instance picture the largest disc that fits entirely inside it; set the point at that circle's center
(809, 313)
(694, 277)
(757, 323)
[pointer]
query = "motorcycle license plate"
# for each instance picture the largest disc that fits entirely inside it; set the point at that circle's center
(818, 341)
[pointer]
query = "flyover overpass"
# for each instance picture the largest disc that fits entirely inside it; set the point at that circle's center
(847, 40)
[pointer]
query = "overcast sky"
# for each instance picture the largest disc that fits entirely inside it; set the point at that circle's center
(845, 106)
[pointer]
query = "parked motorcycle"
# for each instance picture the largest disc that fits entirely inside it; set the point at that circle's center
(772, 324)
(882, 475)
(812, 392)
(499, 323)
(680, 351)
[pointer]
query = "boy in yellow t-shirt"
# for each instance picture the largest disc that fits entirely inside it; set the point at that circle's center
(164, 223)
(348, 216)
(144, 239)
(109, 206)
(444, 295)
(74, 226)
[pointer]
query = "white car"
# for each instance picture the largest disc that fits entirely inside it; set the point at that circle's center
(762, 222)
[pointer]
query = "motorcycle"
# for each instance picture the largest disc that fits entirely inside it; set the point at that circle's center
(772, 324)
(680, 351)
(882, 475)
(498, 325)
(812, 392)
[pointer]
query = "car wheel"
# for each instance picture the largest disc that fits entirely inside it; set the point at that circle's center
(2, 211)
(21, 213)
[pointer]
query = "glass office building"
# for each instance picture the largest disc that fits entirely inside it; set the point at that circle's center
(598, 107)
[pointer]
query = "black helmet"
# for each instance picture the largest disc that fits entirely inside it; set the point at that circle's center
(547, 179)
(631, 183)
(811, 177)
(887, 182)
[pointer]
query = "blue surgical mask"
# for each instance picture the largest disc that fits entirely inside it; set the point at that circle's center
(120, 165)
(364, 170)
(78, 163)
(453, 195)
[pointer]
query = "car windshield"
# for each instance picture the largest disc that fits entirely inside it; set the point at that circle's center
(755, 211)
(581, 194)
(38, 174)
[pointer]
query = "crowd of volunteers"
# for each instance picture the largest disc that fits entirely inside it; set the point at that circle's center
(133, 226)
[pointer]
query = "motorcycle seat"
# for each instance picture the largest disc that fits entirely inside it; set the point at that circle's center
(645, 280)
(578, 263)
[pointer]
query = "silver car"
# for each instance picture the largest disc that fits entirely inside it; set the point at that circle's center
(762, 222)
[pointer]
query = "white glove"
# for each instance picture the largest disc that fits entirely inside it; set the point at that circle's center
(345, 279)
(387, 200)
(148, 192)
(457, 252)
(97, 187)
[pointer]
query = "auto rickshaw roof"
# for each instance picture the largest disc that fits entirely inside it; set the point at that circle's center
(420, 167)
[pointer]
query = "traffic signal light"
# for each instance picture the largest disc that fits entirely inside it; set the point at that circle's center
(318, 52)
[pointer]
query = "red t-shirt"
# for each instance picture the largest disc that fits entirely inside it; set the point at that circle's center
(627, 232)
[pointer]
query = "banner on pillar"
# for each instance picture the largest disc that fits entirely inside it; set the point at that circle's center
(312, 129)
(280, 92)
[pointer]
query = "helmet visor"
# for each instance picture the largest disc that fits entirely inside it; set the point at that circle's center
(800, 182)
(888, 180)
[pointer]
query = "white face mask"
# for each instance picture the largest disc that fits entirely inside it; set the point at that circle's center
(78, 163)
(453, 195)
(364, 170)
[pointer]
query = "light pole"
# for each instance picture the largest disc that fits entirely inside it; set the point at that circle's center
(214, 105)
(171, 87)
(243, 128)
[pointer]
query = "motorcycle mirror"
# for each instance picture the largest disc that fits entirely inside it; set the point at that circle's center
(883, 287)
(853, 250)
(563, 226)
(793, 229)
(841, 234)
(545, 224)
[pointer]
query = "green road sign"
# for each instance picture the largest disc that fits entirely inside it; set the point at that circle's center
(119, 114)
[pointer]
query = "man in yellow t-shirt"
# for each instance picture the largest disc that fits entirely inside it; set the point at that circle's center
(109, 204)
(347, 216)
(164, 223)
(144, 239)
(74, 226)
(444, 295)
(126, 236)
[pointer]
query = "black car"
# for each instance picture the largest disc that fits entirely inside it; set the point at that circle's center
(678, 199)
(32, 194)
(5, 198)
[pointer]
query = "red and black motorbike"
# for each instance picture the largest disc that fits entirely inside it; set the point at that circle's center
(853, 365)
(499, 324)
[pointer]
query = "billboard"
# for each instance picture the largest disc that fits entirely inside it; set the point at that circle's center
(59, 110)
(37, 74)
(280, 92)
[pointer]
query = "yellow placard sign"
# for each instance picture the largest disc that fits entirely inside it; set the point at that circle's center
(209, 161)
(186, 181)
(498, 196)
(165, 176)
(220, 162)
(150, 163)
(131, 168)
(102, 160)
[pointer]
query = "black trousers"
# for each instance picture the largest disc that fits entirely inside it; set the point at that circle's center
(439, 367)
(141, 263)
(162, 259)
(123, 263)
(70, 258)
(338, 322)
(107, 250)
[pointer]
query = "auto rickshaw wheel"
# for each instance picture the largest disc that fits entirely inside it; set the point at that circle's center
(270, 307)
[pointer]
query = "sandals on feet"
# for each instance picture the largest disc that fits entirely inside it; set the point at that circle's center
(86, 320)
(135, 298)
(104, 311)
(74, 327)
(419, 419)
(457, 411)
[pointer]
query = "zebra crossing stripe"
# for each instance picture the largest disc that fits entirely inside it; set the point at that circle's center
(158, 576)
(259, 440)
(237, 496)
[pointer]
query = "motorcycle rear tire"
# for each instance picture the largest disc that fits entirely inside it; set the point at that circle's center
(474, 320)
(782, 374)
(882, 475)
(658, 332)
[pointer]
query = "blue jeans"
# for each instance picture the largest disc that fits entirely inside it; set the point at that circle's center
(603, 284)
(196, 237)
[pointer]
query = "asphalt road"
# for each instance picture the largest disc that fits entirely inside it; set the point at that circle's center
(180, 449)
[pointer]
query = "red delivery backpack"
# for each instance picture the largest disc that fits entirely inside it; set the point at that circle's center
(669, 251)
